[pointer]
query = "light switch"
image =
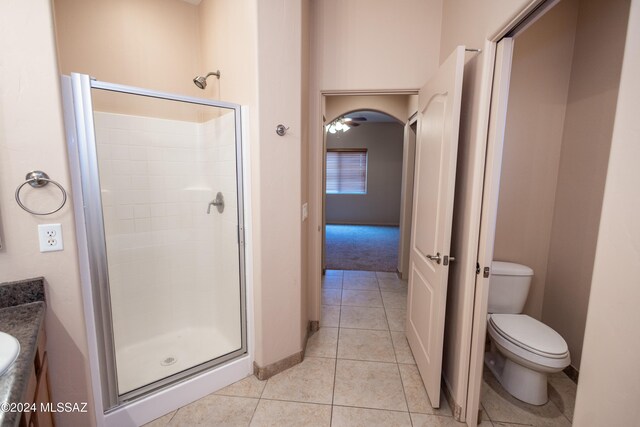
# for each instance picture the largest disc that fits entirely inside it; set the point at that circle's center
(305, 211)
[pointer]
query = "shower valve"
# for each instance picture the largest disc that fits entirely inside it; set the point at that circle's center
(218, 202)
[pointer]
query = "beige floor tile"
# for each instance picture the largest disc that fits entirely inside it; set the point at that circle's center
(310, 381)
(392, 285)
(361, 298)
(274, 413)
(248, 387)
(397, 318)
(332, 282)
(216, 410)
(562, 392)
(504, 408)
(322, 343)
(359, 417)
(416, 395)
(360, 283)
(484, 420)
(500, 424)
(401, 348)
(361, 344)
(369, 385)
(331, 296)
(363, 318)
(330, 316)
(162, 421)
(395, 300)
(423, 420)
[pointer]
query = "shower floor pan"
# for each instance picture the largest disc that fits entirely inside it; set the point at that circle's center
(165, 355)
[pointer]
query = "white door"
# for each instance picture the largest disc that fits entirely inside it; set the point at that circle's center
(434, 185)
(491, 190)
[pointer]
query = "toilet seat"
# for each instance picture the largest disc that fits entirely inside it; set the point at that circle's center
(529, 339)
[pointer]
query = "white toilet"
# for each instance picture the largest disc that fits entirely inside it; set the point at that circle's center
(523, 350)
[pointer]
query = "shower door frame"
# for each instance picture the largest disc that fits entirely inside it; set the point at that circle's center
(79, 124)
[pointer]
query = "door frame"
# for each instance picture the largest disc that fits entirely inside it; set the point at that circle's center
(317, 218)
(406, 199)
(492, 115)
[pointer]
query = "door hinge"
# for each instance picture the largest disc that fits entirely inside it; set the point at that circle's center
(240, 235)
(486, 272)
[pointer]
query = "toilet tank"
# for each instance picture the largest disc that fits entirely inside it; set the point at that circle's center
(508, 287)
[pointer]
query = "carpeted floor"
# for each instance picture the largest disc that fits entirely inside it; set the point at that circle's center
(362, 247)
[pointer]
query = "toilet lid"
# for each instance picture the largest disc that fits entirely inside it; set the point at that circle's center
(528, 333)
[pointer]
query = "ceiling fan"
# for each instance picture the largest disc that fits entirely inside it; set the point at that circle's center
(344, 123)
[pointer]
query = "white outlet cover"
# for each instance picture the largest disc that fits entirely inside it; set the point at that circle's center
(50, 237)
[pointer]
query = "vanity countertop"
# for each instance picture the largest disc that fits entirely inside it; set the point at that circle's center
(22, 311)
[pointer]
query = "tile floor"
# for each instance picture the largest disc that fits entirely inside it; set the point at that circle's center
(503, 409)
(358, 371)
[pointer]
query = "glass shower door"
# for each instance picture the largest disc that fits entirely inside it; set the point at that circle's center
(162, 184)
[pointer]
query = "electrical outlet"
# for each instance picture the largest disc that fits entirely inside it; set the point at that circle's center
(50, 237)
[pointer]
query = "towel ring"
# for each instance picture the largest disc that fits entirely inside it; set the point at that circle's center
(38, 179)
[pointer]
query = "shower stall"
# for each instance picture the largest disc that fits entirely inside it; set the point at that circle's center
(159, 202)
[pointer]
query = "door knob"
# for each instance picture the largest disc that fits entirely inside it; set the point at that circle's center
(435, 257)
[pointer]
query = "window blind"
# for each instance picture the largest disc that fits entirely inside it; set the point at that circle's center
(346, 171)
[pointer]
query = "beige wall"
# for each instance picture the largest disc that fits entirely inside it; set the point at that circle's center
(593, 92)
(129, 43)
(376, 44)
(227, 40)
(396, 106)
(469, 23)
(535, 119)
(609, 377)
(32, 137)
(381, 204)
(280, 34)
(304, 160)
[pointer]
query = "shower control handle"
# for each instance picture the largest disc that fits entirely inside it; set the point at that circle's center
(218, 202)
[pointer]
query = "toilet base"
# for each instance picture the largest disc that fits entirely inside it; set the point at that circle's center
(521, 382)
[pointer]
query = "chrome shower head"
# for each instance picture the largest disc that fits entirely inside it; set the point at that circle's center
(201, 82)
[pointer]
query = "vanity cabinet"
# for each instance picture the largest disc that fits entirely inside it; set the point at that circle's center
(38, 389)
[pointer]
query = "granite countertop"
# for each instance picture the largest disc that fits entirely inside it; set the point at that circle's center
(22, 311)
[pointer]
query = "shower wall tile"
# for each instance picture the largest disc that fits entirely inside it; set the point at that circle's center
(171, 266)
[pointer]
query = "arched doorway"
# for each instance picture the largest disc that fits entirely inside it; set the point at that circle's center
(363, 189)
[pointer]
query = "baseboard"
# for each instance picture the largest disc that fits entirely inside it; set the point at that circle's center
(572, 373)
(266, 372)
(456, 410)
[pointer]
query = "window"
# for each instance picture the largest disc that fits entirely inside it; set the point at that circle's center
(347, 171)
